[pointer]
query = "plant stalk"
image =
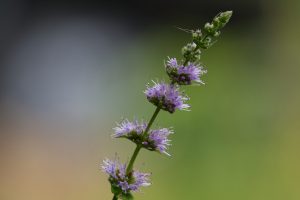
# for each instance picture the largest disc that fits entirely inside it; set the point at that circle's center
(138, 147)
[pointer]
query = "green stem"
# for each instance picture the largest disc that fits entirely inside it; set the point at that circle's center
(152, 120)
(138, 147)
(133, 157)
(115, 197)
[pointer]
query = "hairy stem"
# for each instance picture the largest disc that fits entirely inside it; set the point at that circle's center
(138, 147)
(133, 157)
(152, 120)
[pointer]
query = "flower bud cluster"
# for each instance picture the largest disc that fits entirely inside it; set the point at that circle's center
(196, 35)
(191, 52)
(212, 30)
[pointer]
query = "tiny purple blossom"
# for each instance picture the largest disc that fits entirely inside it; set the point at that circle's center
(184, 75)
(167, 97)
(141, 179)
(127, 128)
(159, 139)
(110, 167)
(126, 182)
(172, 62)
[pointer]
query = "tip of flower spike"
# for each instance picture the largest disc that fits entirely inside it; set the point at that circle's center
(228, 13)
(223, 18)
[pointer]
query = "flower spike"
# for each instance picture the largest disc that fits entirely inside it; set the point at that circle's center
(124, 179)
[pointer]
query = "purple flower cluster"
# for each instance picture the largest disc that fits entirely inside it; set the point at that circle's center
(126, 182)
(184, 75)
(127, 129)
(158, 140)
(154, 140)
(166, 97)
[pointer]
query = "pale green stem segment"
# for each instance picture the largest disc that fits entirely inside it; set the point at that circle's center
(138, 147)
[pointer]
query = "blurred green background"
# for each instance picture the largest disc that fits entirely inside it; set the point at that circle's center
(66, 83)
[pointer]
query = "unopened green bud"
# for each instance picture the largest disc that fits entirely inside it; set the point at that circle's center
(193, 45)
(197, 54)
(188, 50)
(207, 42)
(196, 34)
(217, 33)
(184, 50)
(216, 22)
(208, 27)
(190, 47)
(223, 18)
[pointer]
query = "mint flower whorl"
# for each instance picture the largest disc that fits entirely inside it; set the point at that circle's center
(167, 97)
(121, 182)
(129, 129)
(155, 140)
(158, 140)
(184, 75)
